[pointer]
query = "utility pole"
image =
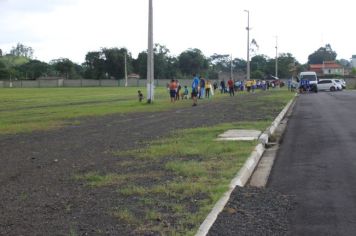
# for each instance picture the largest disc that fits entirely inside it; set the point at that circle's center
(150, 62)
(125, 69)
(231, 72)
(276, 74)
(248, 44)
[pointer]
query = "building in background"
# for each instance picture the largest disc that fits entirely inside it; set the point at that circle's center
(353, 61)
(328, 68)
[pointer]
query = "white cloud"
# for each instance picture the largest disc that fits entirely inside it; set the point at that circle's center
(71, 28)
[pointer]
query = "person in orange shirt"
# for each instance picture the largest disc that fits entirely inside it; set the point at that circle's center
(173, 90)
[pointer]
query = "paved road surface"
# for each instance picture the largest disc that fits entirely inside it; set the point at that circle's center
(317, 164)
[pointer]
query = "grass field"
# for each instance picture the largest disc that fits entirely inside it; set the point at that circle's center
(25, 110)
(173, 181)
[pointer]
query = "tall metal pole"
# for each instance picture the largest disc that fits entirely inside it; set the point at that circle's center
(276, 74)
(231, 72)
(248, 44)
(125, 69)
(150, 65)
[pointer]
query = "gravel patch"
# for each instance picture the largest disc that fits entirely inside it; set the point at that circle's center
(254, 211)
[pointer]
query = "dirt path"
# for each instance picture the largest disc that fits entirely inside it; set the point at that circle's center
(39, 195)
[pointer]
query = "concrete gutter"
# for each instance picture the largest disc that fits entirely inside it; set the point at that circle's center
(244, 173)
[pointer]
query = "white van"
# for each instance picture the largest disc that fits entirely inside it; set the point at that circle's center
(311, 78)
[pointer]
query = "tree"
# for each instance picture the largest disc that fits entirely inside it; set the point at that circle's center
(22, 50)
(192, 61)
(33, 69)
(140, 64)
(353, 72)
(239, 65)
(160, 61)
(0, 53)
(254, 47)
(259, 63)
(257, 74)
(221, 62)
(322, 54)
(65, 68)
(114, 62)
(165, 66)
(94, 65)
(4, 72)
(345, 63)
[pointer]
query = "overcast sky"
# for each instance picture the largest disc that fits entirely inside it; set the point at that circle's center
(70, 28)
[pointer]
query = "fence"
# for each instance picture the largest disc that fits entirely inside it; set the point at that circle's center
(57, 83)
(60, 83)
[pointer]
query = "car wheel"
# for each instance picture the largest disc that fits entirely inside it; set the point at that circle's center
(332, 89)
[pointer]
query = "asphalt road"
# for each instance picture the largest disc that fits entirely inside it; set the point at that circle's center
(316, 164)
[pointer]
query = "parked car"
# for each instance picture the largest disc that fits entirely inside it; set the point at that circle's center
(343, 83)
(327, 84)
(339, 84)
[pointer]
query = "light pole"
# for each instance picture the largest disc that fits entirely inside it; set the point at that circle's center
(125, 69)
(248, 44)
(150, 62)
(231, 69)
(276, 74)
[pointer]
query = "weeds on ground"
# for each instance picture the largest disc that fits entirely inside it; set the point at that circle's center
(194, 171)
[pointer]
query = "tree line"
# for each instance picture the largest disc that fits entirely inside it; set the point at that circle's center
(109, 63)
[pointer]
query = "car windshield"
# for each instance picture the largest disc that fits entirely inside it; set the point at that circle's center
(309, 77)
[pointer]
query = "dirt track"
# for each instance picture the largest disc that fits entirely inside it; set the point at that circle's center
(39, 195)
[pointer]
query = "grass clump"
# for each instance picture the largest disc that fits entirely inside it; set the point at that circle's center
(199, 169)
(95, 179)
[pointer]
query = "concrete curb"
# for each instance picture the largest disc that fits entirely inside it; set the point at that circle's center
(244, 173)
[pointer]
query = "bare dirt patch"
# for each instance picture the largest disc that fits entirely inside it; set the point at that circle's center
(40, 194)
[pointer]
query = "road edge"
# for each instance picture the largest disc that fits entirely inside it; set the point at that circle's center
(244, 173)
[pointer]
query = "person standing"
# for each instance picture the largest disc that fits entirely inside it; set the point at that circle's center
(202, 87)
(230, 84)
(248, 85)
(179, 87)
(173, 90)
(222, 86)
(207, 88)
(195, 85)
(140, 96)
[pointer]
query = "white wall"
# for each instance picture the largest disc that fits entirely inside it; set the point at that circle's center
(353, 62)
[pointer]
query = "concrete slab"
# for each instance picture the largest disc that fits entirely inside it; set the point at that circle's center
(239, 134)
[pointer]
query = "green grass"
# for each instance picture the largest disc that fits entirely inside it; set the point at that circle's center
(199, 171)
(194, 170)
(95, 179)
(29, 109)
(26, 110)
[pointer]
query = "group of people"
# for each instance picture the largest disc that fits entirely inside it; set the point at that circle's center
(248, 85)
(175, 91)
(203, 88)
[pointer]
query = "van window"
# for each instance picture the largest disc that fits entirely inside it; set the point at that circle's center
(324, 81)
(309, 77)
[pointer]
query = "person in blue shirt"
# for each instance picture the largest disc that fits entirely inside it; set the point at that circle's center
(186, 92)
(304, 85)
(195, 88)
